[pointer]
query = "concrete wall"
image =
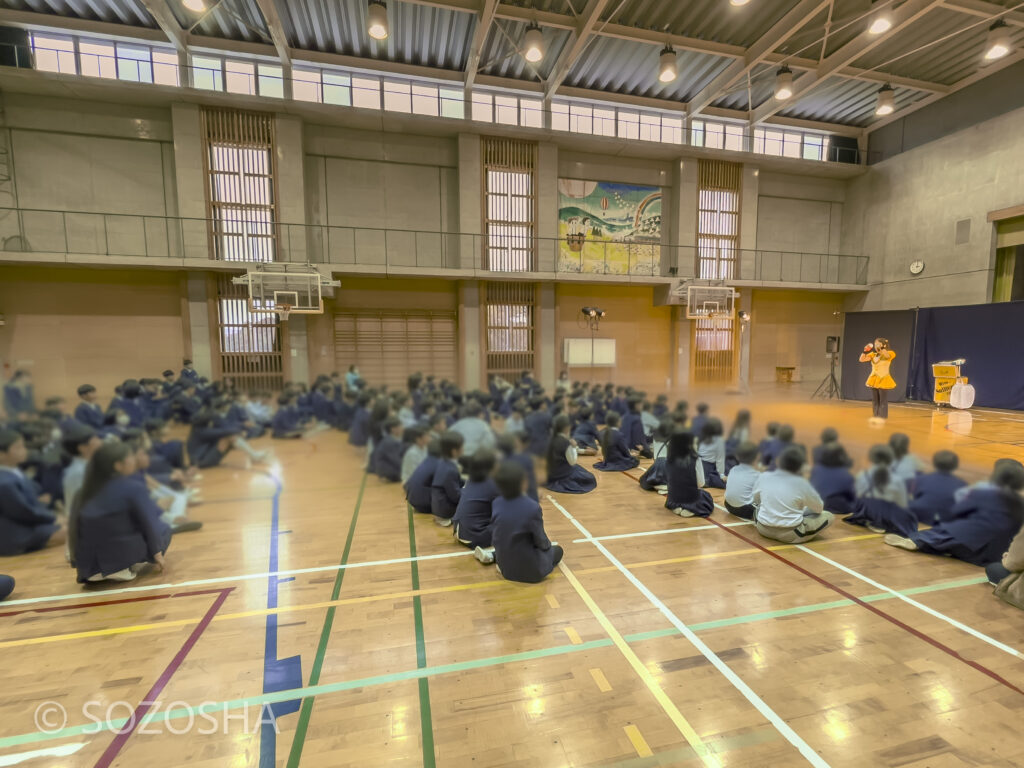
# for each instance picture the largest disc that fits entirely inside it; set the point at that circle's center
(799, 214)
(907, 208)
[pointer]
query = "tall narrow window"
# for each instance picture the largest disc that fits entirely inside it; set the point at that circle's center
(250, 351)
(714, 350)
(509, 204)
(508, 324)
(718, 219)
(239, 158)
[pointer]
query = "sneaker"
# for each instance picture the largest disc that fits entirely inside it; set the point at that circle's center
(261, 457)
(444, 522)
(682, 512)
(186, 526)
(485, 556)
(875, 529)
(894, 540)
(125, 574)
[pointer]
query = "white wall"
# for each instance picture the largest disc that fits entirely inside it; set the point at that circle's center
(906, 208)
(799, 214)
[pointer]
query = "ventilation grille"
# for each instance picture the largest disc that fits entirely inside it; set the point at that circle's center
(963, 232)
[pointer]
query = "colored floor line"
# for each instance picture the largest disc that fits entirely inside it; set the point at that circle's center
(661, 532)
(882, 614)
(104, 603)
(299, 740)
(122, 736)
(268, 729)
(748, 693)
(720, 745)
(426, 716)
(326, 689)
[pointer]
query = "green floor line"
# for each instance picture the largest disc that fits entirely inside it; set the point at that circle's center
(426, 720)
(295, 754)
(315, 690)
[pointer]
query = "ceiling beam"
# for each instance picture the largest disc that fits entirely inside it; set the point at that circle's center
(779, 33)
(484, 20)
(165, 20)
(578, 40)
(275, 28)
(985, 10)
(903, 17)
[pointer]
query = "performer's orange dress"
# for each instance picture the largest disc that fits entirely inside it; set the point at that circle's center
(880, 378)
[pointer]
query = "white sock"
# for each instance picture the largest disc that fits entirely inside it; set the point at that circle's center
(247, 449)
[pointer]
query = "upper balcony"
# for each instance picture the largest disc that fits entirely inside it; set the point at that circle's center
(41, 236)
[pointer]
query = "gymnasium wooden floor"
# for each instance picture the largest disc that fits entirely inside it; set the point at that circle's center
(660, 641)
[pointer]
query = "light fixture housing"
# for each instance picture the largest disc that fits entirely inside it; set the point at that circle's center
(886, 101)
(533, 44)
(999, 43)
(738, 2)
(196, 6)
(881, 21)
(377, 20)
(667, 65)
(783, 84)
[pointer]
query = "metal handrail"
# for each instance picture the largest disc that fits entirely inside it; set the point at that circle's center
(392, 249)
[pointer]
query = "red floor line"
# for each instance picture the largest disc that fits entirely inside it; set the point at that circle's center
(151, 697)
(101, 603)
(824, 582)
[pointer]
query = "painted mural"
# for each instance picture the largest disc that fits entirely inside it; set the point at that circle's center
(608, 228)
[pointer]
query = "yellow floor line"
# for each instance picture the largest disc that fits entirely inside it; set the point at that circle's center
(574, 636)
(638, 741)
(552, 601)
(687, 731)
(602, 682)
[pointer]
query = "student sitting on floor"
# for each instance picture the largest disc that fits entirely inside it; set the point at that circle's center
(739, 433)
(25, 523)
(80, 443)
(935, 492)
(894, 490)
(472, 522)
(515, 423)
(115, 527)
(6, 586)
(173, 503)
(788, 508)
(698, 421)
(980, 527)
(513, 448)
(446, 486)
(1008, 574)
(783, 439)
(209, 441)
(359, 430)
(633, 429)
(906, 466)
(522, 549)
(564, 474)
(387, 463)
(767, 444)
(739, 486)
(287, 421)
(828, 435)
(416, 440)
(538, 427)
(585, 433)
(89, 411)
(655, 477)
(832, 479)
(882, 498)
(418, 486)
(686, 496)
(711, 449)
(615, 451)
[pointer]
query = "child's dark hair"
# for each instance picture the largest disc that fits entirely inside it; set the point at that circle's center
(663, 431)
(945, 461)
(612, 419)
(900, 444)
(741, 421)
(85, 389)
(434, 448)
(791, 459)
(480, 465)
(834, 455)
(785, 433)
(390, 424)
(702, 408)
(75, 437)
(451, 441)
(711, 429)
(1008, 476)
(772, 428)
(560, 424)
(509, 479)
(881, 457)
(585, 412)
(746, 453)
(508, 444)
(412, 434)
(829, 435)
(682, 406)
(880, 454)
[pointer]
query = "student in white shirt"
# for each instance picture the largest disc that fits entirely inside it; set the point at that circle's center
(416, 438)
(788, 508)
(739, 486)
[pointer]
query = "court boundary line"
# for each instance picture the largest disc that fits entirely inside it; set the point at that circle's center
(268, 726)
(422, 684)
(756, 701)
(660, 532)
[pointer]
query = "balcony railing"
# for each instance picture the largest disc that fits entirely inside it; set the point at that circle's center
(401, 251)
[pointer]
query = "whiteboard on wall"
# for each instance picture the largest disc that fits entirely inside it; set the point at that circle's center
(588, 352)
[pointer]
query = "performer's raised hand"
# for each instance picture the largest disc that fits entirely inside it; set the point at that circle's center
(868, 347)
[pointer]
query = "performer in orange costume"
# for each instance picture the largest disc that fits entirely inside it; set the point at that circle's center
(880, 381)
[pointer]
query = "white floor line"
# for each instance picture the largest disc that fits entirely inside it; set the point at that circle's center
(958, 624)
(228, 579)
(780, 725)
(658, 533)
(20, 757)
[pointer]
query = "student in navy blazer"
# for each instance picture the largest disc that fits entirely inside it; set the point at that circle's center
(446, 487)
(25, 523)
(522, 549)
(935, 493)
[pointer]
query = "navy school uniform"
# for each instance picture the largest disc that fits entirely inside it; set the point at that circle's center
(619, 405)
(304, 402)
(978, 529)
(18, 400)
(538, 431)
(25, 523)
(600, 412)
(91, 415)
(118, 528)
(323, 408)
(882, 513)
(835, 485)
(184, 407)
(472, 520)
(633, 429)
(172, 451)
(770, 450)
(659, 410)
(417, 487)
(684, 491)
(189, 375)
(657, 473)
(359, 431)
(618, 458)
(202, 447)
(585, 434)
(934, 499)
(698, 424)
(564, 477)
(525, 460)
(131, 406)
(522, 549)
(387, 462)
(445, 490)
(345, 413)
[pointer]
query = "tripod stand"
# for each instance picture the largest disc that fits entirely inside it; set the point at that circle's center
(829, 387)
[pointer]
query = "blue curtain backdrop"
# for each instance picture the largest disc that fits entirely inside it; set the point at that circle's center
(861, 327)
(989, 336)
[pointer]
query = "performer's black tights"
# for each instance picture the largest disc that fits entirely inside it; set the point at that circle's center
(880, 403)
